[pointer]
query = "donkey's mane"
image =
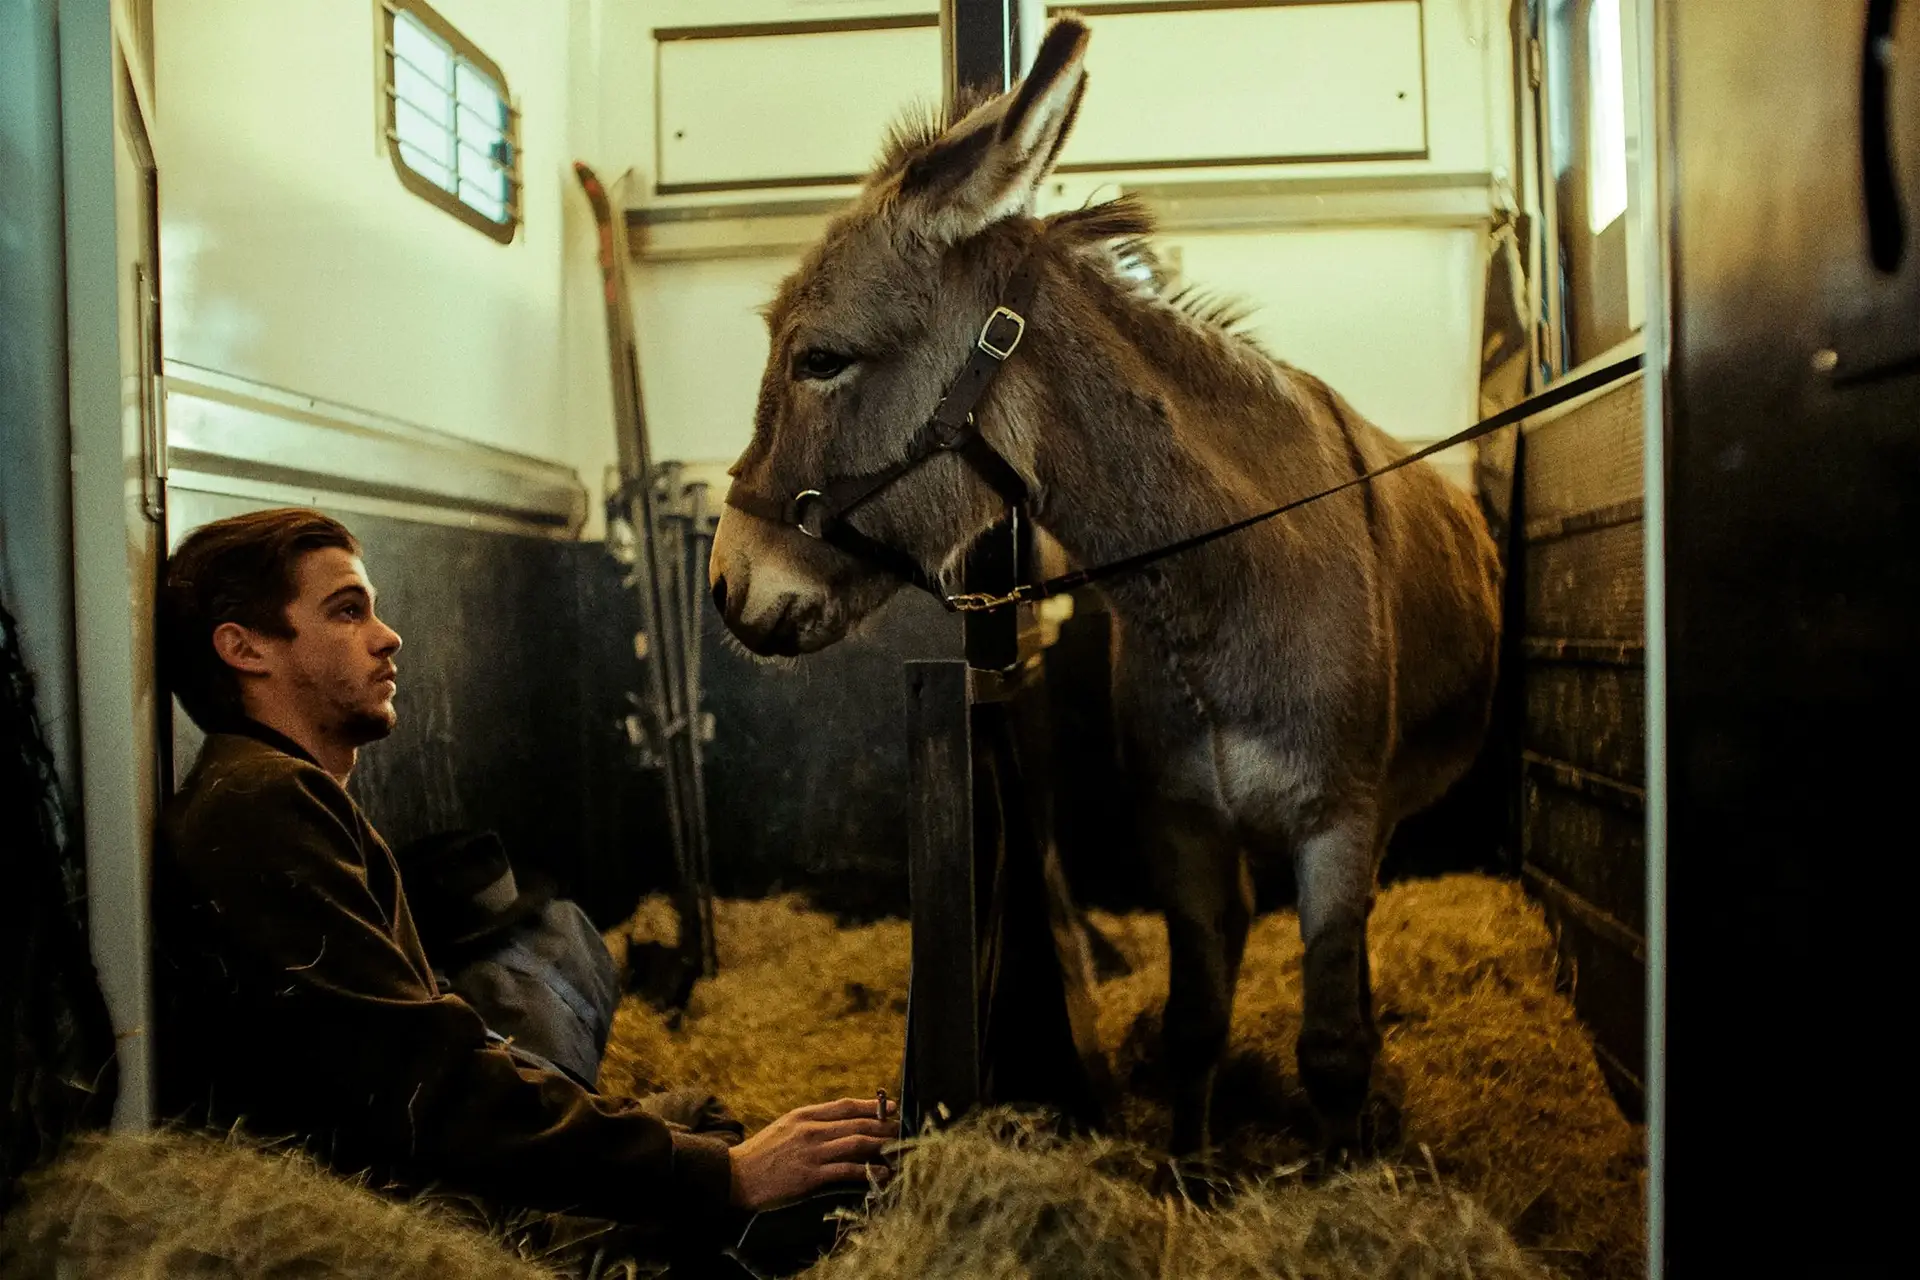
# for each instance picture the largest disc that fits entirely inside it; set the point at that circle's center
(1117, 233)
(1216, 310)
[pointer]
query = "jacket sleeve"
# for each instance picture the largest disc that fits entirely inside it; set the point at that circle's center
(405, 1077)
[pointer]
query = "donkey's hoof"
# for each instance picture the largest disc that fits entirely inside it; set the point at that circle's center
(1166, 1182)
(1343, 1141)
(1350, 1138)
(1330, 1162)
(1192, 1179)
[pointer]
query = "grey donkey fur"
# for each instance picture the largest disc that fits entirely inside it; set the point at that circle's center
(1292, 691)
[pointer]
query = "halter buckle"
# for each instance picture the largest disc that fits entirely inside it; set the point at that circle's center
(1001, 351)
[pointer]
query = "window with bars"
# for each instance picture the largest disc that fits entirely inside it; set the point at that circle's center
(450, 128)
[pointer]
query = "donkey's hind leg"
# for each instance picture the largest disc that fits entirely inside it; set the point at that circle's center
(1338, 1042)
(1206, 890)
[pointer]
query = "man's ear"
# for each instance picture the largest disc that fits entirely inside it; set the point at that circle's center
(988, 166)
(240, 648)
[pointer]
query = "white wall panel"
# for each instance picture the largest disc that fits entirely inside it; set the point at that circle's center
(1238, 84)
(1390, 318)
(783, 109)
(703, 345)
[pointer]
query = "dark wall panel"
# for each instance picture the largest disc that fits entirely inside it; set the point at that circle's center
(1592, 845)
(1591, 715)
(1792, 626)
(807, 772)
(1582, 715)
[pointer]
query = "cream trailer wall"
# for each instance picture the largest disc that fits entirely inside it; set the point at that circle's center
(294, 261)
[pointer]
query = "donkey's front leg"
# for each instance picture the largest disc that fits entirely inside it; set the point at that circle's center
(1207, 893)
(1338, 1042)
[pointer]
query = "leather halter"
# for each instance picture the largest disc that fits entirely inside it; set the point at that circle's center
(822, 511)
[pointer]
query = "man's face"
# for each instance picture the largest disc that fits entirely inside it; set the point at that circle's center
(338, 668)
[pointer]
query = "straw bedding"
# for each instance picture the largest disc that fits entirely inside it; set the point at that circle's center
(1505, 1156)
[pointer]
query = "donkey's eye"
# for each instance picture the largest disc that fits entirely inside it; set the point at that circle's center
(818, 365)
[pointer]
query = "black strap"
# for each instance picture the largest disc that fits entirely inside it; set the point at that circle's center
(823, 512)
(998, 338)
(1527, 408)
(842, 534)
(991, 467)
(952, 428)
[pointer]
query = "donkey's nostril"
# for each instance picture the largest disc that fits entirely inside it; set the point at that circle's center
(720, 595)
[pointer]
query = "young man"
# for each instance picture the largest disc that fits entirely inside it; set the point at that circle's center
(294, 993)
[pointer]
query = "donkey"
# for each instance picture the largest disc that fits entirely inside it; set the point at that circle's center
(1291, 691)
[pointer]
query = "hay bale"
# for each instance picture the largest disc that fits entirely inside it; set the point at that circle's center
(173, 1204)
(999, 1197)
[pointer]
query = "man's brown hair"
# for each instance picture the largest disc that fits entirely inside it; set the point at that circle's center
(240, 569)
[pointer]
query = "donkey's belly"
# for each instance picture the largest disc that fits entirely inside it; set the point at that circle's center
(1270, 754)
(1264, 788)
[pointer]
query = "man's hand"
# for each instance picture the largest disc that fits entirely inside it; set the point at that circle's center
(808, 1148)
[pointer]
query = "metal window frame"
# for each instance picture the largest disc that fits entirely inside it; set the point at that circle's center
(411, 178)
(1535, 60)
(1548, 321)
(795, 27)
(1530, 27)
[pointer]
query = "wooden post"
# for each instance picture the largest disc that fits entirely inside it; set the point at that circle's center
(1039, 1033)
(943, 1030)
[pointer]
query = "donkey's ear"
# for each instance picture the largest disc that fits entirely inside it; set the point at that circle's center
(1044, 106)
(988, 166)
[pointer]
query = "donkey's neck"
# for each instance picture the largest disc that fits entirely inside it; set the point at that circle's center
(1148, 425)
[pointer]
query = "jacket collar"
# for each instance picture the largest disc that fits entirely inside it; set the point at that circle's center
(279, 741)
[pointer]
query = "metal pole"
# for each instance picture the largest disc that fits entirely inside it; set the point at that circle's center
(1656, 173)
(691, 562)
(977, 45)
(679, 624)
(667, 723)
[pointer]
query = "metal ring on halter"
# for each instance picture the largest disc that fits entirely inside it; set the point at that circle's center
(796, 513)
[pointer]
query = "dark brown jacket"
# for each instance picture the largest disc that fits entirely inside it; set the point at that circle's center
(294, 996)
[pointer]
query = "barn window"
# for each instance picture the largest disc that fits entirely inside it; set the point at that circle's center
(450, 128)
(1593, 141)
